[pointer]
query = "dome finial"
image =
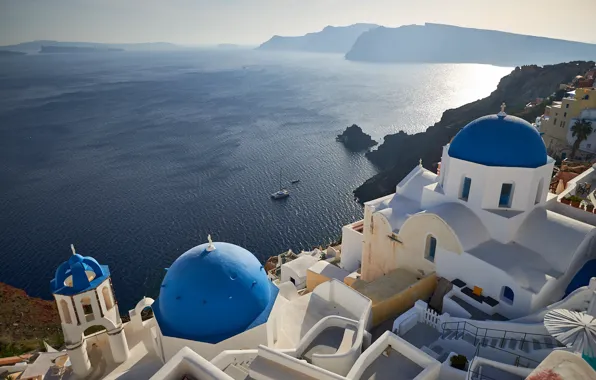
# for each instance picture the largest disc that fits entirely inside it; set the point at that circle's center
(72, 248)
(502, 113)
(210, 247)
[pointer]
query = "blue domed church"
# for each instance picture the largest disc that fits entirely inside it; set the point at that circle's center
(213, 296)
(485, 220)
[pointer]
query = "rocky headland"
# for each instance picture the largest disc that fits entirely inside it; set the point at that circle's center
(77, 49)
(355, 139)
(332, 39)
(400, 152)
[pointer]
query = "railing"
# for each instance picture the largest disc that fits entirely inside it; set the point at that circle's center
(477, 332)
(518, 360)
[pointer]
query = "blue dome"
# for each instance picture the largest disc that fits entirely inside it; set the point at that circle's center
(497, 140)
(77, 275)
(210, 296)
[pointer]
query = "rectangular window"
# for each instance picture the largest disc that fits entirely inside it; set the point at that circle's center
(567, 105)
(465, 189)
(431, 248)
(506, 195)
(555, 121)
(565, 114)
(589, 145)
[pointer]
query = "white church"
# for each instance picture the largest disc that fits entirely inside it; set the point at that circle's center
(486, 224)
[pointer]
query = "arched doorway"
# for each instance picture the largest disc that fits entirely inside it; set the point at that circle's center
(582, 277)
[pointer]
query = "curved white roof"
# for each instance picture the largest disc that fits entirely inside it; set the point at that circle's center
(467, 226)
(554, 236)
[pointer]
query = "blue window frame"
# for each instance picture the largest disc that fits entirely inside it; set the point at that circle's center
(431, 248)
(506, 195)
(465, 189)
(507, 295)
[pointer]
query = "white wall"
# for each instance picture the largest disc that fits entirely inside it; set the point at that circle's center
(351, 247)
(486, 186)
(249, 339)
(337, 292)
(475, 272)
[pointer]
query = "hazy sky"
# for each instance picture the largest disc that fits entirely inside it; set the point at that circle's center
(254, 21)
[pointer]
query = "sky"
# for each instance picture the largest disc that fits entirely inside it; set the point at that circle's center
(204, 22)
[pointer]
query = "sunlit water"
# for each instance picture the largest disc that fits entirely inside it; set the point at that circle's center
(135, 158)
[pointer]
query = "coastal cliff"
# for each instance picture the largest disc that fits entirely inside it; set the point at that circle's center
(355, 140)
(332, 39)
(436, 43)
(25, 322)
(400, 152)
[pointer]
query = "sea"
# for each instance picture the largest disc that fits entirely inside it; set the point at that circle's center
(136, 157)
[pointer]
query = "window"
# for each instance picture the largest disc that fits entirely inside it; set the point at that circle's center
(431, 248)
(565, 114)
(588, 145)
(507, 295)
(107, 297)
(293, 281)
(65, 312)
(567, 105)
(539, 191)
(555, 122)
(465, 189)
(506, 195)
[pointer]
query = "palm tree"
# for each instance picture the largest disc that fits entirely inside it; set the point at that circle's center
(580, 130)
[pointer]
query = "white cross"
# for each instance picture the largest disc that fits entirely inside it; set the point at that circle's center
(210, 247)
(503, 105)
(420, 162)
(72, 248)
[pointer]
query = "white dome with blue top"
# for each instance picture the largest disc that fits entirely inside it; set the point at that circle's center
(500, 140)
(213, 292)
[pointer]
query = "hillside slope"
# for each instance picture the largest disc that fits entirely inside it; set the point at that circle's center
(436, 43)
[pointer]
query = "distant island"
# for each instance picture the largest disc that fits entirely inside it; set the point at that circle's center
(436, 43)
(9, 53)
(355, 140)
(36, 46)
(332, 39)
(76, 49)
(228, 46)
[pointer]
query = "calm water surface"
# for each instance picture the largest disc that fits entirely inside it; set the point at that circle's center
(136, 157)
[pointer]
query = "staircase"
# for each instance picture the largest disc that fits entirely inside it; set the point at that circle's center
(510, 342)
(238, 371)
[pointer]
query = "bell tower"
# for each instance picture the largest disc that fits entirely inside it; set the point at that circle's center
(83, 292)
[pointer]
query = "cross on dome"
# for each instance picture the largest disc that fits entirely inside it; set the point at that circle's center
(72, 248)
(210, 247)
(502, 113)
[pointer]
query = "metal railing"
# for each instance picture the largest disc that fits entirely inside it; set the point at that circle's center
(482, 334)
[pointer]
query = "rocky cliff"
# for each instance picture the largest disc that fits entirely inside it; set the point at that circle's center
(452, 44)
(25, 322)
(355, 140)
(400, 152)
(332, 39)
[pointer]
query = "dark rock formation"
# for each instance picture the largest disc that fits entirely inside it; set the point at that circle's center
(400, 152)
(453, 44)
(332, 39)
(355, 140)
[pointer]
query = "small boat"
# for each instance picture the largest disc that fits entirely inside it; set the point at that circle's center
(281, 193)
(295, 181)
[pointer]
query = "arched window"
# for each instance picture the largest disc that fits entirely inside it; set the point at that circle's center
(539, 191)
(507, 295)
(107, 297)
(65, 312)
(431, 248)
